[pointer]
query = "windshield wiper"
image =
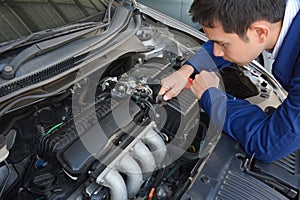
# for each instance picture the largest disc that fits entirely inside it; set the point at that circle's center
(56, 32)
(47, 34)
(55, 38)
(107, 15)
(8, 72)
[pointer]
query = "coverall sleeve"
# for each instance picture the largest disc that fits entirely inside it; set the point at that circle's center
(269, 137)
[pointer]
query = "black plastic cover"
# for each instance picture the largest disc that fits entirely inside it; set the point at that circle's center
(222, 176)
(77, 157)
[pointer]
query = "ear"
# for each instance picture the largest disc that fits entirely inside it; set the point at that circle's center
(260, 30)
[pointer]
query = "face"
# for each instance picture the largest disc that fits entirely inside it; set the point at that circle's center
(232, 48)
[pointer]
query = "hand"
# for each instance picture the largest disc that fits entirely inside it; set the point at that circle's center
(203, 81)
(172, 85)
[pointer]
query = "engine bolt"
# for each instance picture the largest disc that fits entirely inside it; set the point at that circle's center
(204, 179)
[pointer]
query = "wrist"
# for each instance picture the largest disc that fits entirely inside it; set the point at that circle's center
(186, 70)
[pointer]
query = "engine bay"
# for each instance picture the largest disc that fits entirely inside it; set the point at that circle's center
(64, 148)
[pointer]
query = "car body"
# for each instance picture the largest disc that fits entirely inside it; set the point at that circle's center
(177, 9)
(80, 117)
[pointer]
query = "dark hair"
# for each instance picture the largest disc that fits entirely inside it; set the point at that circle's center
(236, 16)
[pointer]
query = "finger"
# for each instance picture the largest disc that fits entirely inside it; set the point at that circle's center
(197, 77)
(198, 80)
(163, 90)
(213, 75)
(200, 76)
(194, 90)
(169, 95)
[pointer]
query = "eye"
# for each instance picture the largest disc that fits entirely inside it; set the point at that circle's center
(222, 44)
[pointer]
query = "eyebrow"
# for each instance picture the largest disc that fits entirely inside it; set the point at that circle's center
(218, 42)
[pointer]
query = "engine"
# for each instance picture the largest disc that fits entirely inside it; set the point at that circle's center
(105, 138)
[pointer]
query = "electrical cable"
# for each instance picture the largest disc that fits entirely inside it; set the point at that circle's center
(54, 127)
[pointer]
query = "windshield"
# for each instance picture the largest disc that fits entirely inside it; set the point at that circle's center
(19, 19)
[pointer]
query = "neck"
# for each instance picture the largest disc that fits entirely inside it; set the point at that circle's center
(275, 30)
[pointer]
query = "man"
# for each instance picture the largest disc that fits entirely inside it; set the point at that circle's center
(238, 31)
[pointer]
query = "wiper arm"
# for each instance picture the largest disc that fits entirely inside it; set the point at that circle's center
(107, 15)
(8, 72)
(46, 34)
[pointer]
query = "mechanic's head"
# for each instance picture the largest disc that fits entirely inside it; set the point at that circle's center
(240, 29)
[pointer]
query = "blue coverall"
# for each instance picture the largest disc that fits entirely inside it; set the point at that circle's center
(268, 137)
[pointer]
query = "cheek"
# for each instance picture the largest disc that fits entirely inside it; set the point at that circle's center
(240, 54)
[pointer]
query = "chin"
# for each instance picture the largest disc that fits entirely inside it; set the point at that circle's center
(240, 63)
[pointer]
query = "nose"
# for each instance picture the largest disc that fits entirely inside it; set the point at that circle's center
(218, 50)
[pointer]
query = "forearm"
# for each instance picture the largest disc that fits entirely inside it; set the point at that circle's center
(268, 137)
